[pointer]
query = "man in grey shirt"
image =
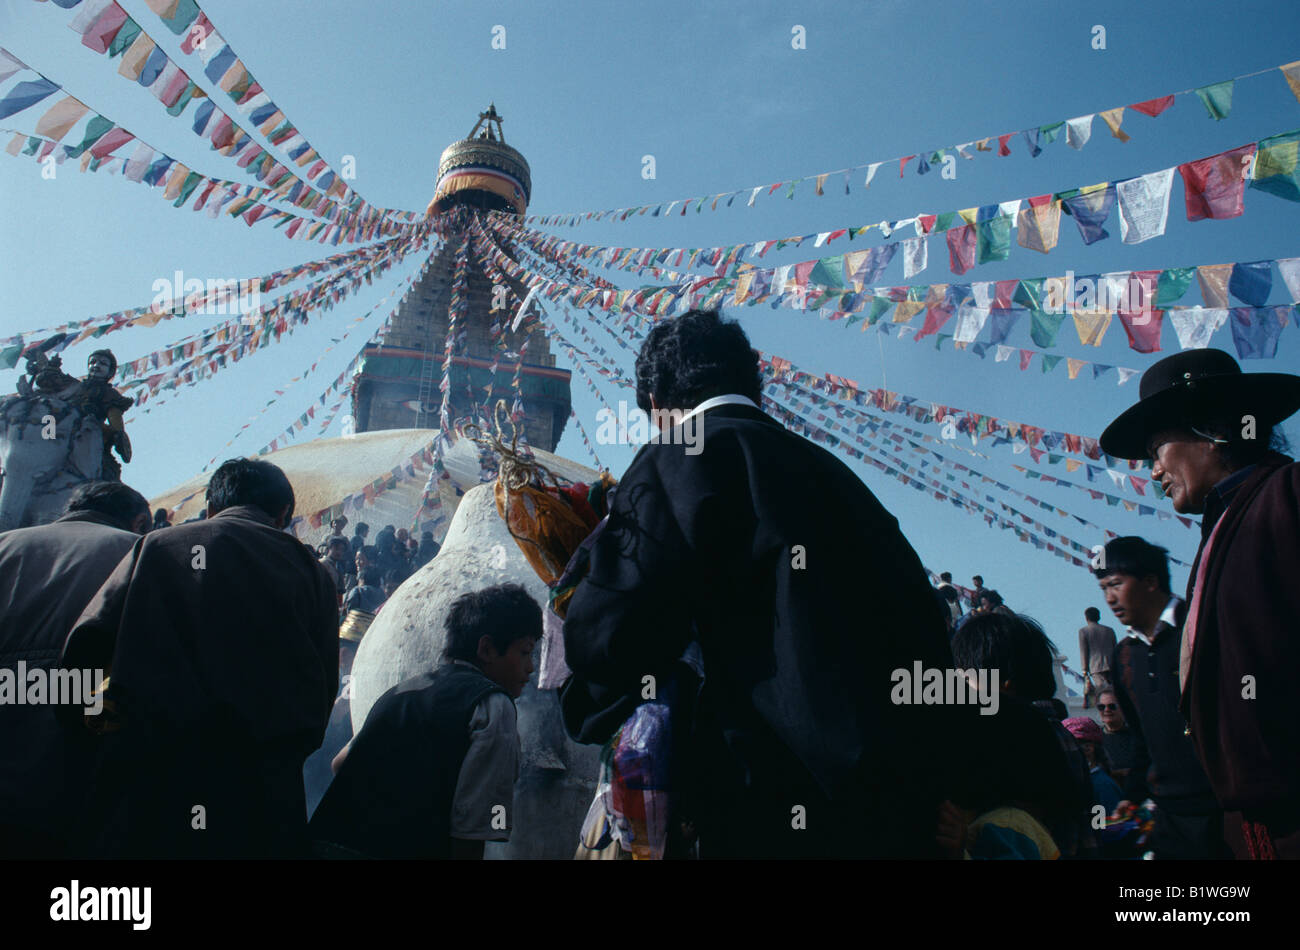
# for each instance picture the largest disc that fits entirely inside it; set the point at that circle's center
(1096, 647)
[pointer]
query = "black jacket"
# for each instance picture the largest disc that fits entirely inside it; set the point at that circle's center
(804, 597)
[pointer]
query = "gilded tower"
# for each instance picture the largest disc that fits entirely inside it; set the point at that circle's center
(398, 383)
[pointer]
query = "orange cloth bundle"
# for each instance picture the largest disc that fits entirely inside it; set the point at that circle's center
(546, 529)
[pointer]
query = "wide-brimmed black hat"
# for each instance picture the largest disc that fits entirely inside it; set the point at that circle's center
(1182, 388)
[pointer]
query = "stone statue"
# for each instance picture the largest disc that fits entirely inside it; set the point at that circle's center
(56, 433)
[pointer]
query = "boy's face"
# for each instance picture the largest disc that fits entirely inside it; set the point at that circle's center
(509, 670)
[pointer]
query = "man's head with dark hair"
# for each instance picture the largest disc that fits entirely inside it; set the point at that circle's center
(337, 549)
(103, 356)
(361, 530)
(946, 577)
(979, 581)
(988, 598)
(495, 629)
(121, 504)
(1012, 644)
(1133, 574)
(1091, 614)
(254, 483)
(695, 357)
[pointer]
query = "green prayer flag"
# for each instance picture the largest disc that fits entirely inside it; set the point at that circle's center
(1029, 293)
(944, 221)
(879, 307)
(1047, 133)
(993, 239)
(33, 145)
(828, 272)
(1173, 284)
(1276, 168)
(187, 188)
(939, 338)
(1050, 361)
(1044, 328)
(1217, 98)
(9, 356)
(183, 100)
(96, 129)
(125, 37)
(187, 11)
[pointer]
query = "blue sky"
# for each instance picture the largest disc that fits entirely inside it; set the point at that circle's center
(719, 97)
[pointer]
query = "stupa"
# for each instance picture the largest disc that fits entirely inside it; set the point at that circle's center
(398, 383)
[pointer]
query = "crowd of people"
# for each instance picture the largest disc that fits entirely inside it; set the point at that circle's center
(222, 647)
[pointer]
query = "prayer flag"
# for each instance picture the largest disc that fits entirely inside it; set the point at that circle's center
(60, 118)
(1144, 206)
(993, 231)
(100, 33)
(1153, 107)
(1113, 119)
(1045, 326)
(25, 95)
(915, 256)
(1255, 332)
(1276, 168)
(1091, 325)
(1291, 73)
(1002, 322)
(1078, 131)
(1214, 186)
(1090, 209)
(1213, 279)
(961, 248)
(1217, 98)
(1251, 283)
(1289, 267)
(1039, 224)
(1143, 329)
(1196, 325)
(1173, 283)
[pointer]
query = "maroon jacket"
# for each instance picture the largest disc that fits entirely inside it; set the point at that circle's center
(1249, 625)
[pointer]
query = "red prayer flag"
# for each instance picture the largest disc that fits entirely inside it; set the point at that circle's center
(1153, 107)
(1143, 329)
(106, 26)
(1213, 187)
(961, 248)
(1002, 143)
(1025, 357)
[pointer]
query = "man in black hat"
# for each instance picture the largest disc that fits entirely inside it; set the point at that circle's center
(1209, 432)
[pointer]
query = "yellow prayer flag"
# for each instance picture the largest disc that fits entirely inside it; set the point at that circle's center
(968, 214)
(1073, 465)
(821, 180)
(1213, 279)
(907, 309)
(164, 8)
(1113, 119)
(1039, 228)
(1091, 326)
(307, 156)
(232, 76)
(1291, 72)
(136, 55)
(1073, 366)
(275, 119)
(177, 178)
(61, 116)
(16, 144)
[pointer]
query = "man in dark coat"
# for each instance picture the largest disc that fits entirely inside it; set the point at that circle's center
(49, 573)
(1135, 580)
(803, 597)
(1209, 430)
(221, 637)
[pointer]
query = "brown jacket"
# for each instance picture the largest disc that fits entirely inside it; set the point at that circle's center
(1249, 626)
(222, 638)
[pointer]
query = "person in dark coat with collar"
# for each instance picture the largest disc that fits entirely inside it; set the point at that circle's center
(1134, 577)
(802, 596)
(1209, 430)
(221, 641)
(49, 573)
